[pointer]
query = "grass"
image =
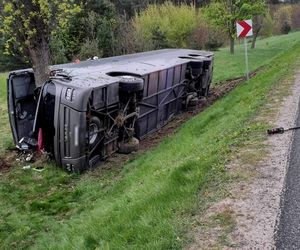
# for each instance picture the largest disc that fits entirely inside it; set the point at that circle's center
(228, 66)
(6, 138)
(150, 201)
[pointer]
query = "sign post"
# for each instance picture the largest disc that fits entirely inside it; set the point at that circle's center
(245, 29)
(246, 59)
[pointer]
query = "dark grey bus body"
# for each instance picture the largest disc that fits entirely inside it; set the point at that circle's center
(86, 110)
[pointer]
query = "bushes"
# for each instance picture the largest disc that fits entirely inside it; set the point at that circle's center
(159, 38)
(285, 28)
(267, 25)
(169, 25)
(286, 18)
(207, 37)
(92, 29)
(125, 42)
(216, 38)
(166, 25)
(58, 50)
(296, 17)
(100, 30)
(283, 19)
(89, 49)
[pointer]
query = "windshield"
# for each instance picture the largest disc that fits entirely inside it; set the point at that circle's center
(45, 115)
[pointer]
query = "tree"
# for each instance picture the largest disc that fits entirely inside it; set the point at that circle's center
(125, 40)
(8, 62)
(131, 7)
(225, 13)
(258, 21)
(93, 25)
(28, 26)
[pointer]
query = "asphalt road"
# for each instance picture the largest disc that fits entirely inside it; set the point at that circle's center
(288, 233)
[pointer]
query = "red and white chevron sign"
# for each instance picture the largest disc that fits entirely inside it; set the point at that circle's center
(244, 28)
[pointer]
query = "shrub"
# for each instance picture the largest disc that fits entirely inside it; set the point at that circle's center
(159, 39)
(207, 36)
(199, 37)
(125, 42)
(268, 26)
(96, 21)
(296, 17)
(216, 39)
(283, 19)
(89, 49)
(166, 24)
(285, 28)
(58, 50)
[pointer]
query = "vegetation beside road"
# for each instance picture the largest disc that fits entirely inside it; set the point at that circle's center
(230, 66)
(84, 29)
(150, 201)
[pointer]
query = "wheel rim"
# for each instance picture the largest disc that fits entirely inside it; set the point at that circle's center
(93, 133)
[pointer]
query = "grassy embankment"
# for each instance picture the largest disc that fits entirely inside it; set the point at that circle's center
(149, 203)
(228, 66)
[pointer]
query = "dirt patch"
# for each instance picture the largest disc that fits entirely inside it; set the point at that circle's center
(4, 165)
(14, 157)
(255, 200)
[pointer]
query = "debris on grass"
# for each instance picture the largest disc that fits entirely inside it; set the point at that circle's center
(29, 158)
(39, 169)
(26, 167)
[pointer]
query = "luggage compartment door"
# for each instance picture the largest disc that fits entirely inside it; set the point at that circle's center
(21, 104)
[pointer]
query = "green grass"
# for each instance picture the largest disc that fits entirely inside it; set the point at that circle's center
(5, 135)
(228, 66)
(149, 202)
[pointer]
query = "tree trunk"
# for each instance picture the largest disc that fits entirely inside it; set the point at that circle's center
(231, 45)
(40, 58)
(255, 37)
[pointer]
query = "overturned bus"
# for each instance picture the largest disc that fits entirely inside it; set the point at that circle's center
(87, 111)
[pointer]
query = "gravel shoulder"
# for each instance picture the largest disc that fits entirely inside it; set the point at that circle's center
(288, 231)
(259, 208)
(252, 207)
